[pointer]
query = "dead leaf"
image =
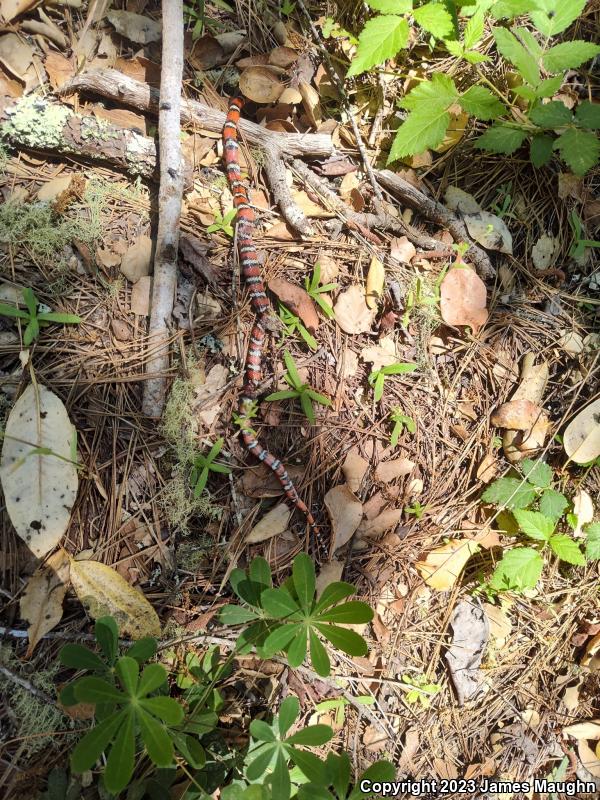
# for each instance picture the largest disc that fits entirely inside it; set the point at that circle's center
(260, 481)
(381, 354)
(9, 9)
(16, 55)
(490, 231)
(272, 524)
(51, 189)
(445, 769)
(381, 523)
(41, 603)
(518, 415)
(345, 513)
(352, 313)
(354, 468)
(570, 697)
(570, 186)
(471, 632)
(59, 69)
(297, 300)
(140, 296)
(463, 299)
(442, 567)
(310, 103)
(135, 27)
(107, 257)
(584, 730)
(260, 84)
(121, 118)
(589, 760)
(460, 201)
(375, 282)
(402, 250)
(488, 468)
(349, 182)
(330, 572)
(583, 508)
(499, 624)
(581, 438)
(137, 261)
(283, 57)
(390, 470)
(308, 206)
(207, 53)
(544, 251)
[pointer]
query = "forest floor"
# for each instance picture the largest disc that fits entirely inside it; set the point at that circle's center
(395, 515)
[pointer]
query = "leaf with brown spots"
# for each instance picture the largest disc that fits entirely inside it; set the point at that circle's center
(517, 415)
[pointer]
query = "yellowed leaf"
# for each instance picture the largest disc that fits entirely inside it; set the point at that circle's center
(442, 567)
(102, 591)
(463, 299)
(41, 603)
(345, 513)
(272, 524)
(584, 730)
(517, 415)
(375, 282)
(582, 437)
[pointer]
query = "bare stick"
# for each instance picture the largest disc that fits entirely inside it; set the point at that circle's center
(169, 207)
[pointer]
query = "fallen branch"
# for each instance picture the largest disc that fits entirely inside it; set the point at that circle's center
(169, 208)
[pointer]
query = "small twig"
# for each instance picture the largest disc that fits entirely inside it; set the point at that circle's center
(274, 168)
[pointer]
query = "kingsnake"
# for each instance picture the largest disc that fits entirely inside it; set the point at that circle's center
(250, 267)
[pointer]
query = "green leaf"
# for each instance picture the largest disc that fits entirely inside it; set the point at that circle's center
(155, 736)
(344, 639)
(554, 16)
(318, 398)
(292, 369)
(284, 394)
(288, 714)
(438, 93)
(307, 407)
(378, 391)
(153, 676)
(128, 672)
(588, 115)
(380, 39)
(12, 311)
(509, 492)
(481, 103)
(352, 613)
(31, 301)
(379, 771)
(473, 30)
(143, 649)
(333, 593)
(57, 316)
(121, 759)
(32, 331)
(540, 149)
(391, 6)
(318, 655)
(165, 708)
(592, 545)
(311, 766)
(303, 574)
(261, 731)
(538, 473)
(260, 760)
(534, 524)
(296, 650)
(553, 504)
(569, 55)
(511, 48)
(260, 572)
(434, 18)
(580, 150)
(77, 656)
(531, 43)
(236, 615)
(549, 86)
(312, 736)
(280, 638)
(519, 569)
(567, 549)
(280, 779)
(398, 369)
(96, 690)
(89, 749)
(107, 636)
(501, 139)
(551, 115)
(190, 748)
(508, 9)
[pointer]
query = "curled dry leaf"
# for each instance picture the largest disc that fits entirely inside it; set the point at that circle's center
(375, 282)
(310, 103)
(572, 343)
(402, 250)
(352, 313)
(381, 354)
(102, 591)
(518, 415)
(354, 469)
(260, 84)
(463, 299)
(499, 623)
(544, 251)
(272, 524)
(461, 201)
(490, 231)
(135, 27)
(137, 260)
(41, 603)
(345, 513)
(283, 57)
(37, 468)
(381, 523)
(532, 386)
(297, 300)
(442, 567)
(584, 730)
(390, 470)
(581, 439)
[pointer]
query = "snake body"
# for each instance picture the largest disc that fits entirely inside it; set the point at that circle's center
(250, 267)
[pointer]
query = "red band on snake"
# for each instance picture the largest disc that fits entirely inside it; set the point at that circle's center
(250, 267)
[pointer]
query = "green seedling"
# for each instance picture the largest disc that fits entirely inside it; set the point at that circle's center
(35, 319)
(416, 510)
(299, 390)
(203, 465)
(293, 325)
(378, 376)
(420, 690)
(287, 8)
(579, 243)
(223, 223)
(315, 290)
(400, 421)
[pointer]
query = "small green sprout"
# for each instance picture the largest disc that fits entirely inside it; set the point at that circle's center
(299, 390)
(417, 510)
(35, 320)
(420, 690)
(205, 464)
(314, 290)
(223, 223)
(579, 243)
(243, 420)
(378, 376)
(400, 421)
(287, 8)
(292, 325)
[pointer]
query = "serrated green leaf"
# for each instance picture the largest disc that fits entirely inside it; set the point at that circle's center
(588, 115)
(569, 55)
(418, 133)
(592, 544)
(501, 139)
(511, 48)
(455, 48)
(551, 115)
(535, 524)
(567, 549)
(435, 19)
(549, 86)
(530, 42)
(510, 492)
(538, 473)
(481, 103)
(473, 30)
(580, 150)
(473, 57)
(436, 94)
(519, 569)
(508, 9)
(554, 16)
(540, 149)
(381, 38)
(391, 6)
(553, 504)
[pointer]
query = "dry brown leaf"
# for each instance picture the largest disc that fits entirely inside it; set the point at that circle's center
(500, 625)
(589, 759)
(581, 439)
(532, 386)
(16, 55)
(390, 470)
(572, 343)
(490, 231)
(310, 103)
(381, 354)
(272, 524)
(463, 299)
(375, 282)
(544, 251)
(59, 69)
(458, 200)
(9, 9)
(140, 296)
(445, 769)
(330, 269)
(570, 186)
(354, 469)
(207, 53)
(41, 603)
(583, 508)
(260, 84)
(330, 572)
(135, 27)
(121, 118)
(402, 250)
(283, 57)
(442, 567)
(297, 300)
(352, 313)
(584, 730)
(381, 523)
(107, 257)
(345, 513)
(349, 182)
(488, 468)
(570, 697)
(137, 261)
(305, 204)
(517, 415)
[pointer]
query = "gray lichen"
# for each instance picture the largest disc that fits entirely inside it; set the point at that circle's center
(35, 122)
